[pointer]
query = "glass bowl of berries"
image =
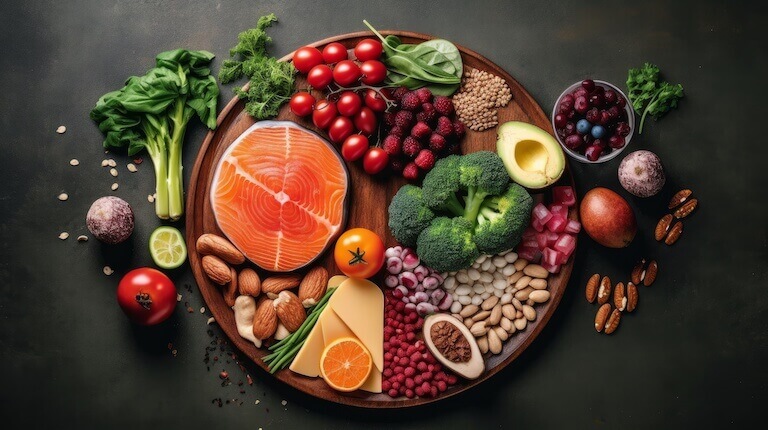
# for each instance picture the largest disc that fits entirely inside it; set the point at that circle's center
(593, 121)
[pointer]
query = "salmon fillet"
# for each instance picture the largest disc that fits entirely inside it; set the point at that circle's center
(279, 194)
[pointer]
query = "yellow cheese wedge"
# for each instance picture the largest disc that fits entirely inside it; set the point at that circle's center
(360, 305)
(307, 361)
(373, 383)
(333, 327)
(336, 280)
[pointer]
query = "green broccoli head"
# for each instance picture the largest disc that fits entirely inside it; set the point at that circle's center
(441, 186)
(409, 215)
(502, 219)
(484, 171)
(447, 244)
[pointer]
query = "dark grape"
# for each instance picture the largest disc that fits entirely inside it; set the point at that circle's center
(588, 85)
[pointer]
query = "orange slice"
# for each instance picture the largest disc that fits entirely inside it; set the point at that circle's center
(345, 364)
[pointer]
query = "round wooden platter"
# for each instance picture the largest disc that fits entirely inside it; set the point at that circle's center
(367, 208)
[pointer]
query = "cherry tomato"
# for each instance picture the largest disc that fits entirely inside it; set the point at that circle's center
(324, 113)
(359, 253)
(366, 121)
(375, 101)
(302, 103)
(346, 73)
(320, 76)
(340, 129)
(147, 296)
(307, 57)
(368, 49)
(334, 52)
(349, 103)
(374, 72)
(354, 147)
(375, 161)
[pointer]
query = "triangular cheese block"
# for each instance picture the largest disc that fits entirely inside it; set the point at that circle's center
(359, 303)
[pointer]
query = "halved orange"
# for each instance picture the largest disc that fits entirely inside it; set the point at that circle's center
(345, 364)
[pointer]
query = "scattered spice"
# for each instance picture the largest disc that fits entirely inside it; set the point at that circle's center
(74, 162)
(478, 99)
(63, 196)
(132, 168)
(114, 186)
(82, 238)
(63, 235)
(61, 129)
(113, 172)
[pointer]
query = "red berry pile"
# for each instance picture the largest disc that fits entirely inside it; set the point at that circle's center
(422, 129)
(592, 120)
(410, 370)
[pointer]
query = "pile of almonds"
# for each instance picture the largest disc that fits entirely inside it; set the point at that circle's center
(608, 315)
(478, 99)
(278, 311)
(682, 206)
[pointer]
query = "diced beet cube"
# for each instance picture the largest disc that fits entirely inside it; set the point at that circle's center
(551, 238)
(551, 268)
(537, 225)
(573, 226)
(541, 213)
(549, 256)
(561, 210)
(565, 244)
(561, 258)
(529, 244)
(529, 234)
(564, 195)
(530, 254)
(542, 239)
(557, 223)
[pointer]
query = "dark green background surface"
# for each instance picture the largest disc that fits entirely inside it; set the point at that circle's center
(693, 355)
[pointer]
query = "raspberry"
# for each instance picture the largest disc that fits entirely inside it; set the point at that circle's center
(389, 119)
(411, 171)
(396, 164)
(398, 94)
(436, 142)
(410, 101)
(392, 145)
(443, 105)
(424, 94)
(397, 131)
(411, 146)
(425, 160)
(427, 114)
(421, 130)
(458, 129)
(404, 119)
(444, 126)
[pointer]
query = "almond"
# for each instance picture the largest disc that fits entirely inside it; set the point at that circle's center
(638, 272)
(650, 273)
(289, 310)
(613, 322)
(211, 244)
(674, 233)
(686, 209)
(591, 289)
(230, 293)
(494, 343)
(602, 316)
(619, 297)
(216, 269)
(604, 292)
(679, 198)
(249, 283)
(273, 285)
(632, 297)
(663, 227)
(265, 319)
(313, 286)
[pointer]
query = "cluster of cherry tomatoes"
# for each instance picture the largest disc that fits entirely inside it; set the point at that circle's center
(349, 112)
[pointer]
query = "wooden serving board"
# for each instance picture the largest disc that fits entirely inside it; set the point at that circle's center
(367, 208)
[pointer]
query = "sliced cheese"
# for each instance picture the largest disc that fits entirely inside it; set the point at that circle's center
(360, 305)
(336, 280)
(307, 361)
(333, 327)
(373, 383)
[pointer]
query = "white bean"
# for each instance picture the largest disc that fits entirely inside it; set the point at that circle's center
(478, 288)
(465, 300)
(485, 295)
(473, 274)
(462, 277)
(449, 284)
(508, 270)
(498, 275)
(455, 307)
(510, 257)
(506, 298)
(481, 258)
(488, 288)
(486, 265)
(499, 262)
(486, 277)
(476, 300)
(463, 290)
(498, 293)
(499, 284)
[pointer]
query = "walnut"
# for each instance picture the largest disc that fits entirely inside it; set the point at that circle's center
(450, 342)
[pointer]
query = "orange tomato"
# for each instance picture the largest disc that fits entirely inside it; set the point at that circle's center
(359, 253)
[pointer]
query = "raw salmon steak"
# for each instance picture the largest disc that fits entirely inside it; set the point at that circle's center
(279, 194)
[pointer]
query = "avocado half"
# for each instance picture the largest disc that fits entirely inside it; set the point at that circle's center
(532, 156)
(470, 369)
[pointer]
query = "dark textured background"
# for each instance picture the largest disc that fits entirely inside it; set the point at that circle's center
(693, 355)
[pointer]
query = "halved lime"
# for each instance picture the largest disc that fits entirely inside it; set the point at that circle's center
(166, 245)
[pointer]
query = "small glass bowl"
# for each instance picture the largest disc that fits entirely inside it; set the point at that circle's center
(614, 153)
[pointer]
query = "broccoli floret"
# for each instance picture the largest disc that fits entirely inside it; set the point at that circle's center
(502, 219)
(408, 215)
(482, 174)
(441, 186)
(447, 244)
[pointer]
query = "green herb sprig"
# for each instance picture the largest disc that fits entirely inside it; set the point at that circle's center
(648, 95)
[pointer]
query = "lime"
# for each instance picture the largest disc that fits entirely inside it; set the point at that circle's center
(166, 245)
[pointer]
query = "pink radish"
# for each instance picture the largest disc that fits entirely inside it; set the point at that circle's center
(564, 195)
(566, 244)
(541, 213)
(557, 224)
(573, 226)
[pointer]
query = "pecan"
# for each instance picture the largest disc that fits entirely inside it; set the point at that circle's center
(679, 198)
(613, 322)
(674, 233)
(686, 209)
(650, 273)
(632, 297)
(602, 316)
(591, 289)
(604, 292)
(663, 227)
(638, 272)
(619, 297)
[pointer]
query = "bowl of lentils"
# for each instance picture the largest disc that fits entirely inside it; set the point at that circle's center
(593, 121)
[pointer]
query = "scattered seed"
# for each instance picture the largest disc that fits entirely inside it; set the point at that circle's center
(138, 160)
(104, 163)
(111, 163)
(151, 198)
(108, 270)
(114, 186)
(178, 297)
(257, 402)
(284, 402)
(211, 320)
(113, 171)
(132, 167)
(202, 310)
(82, 238)
(63, 196)
(63, 235)
(61, 129)
(74, 162)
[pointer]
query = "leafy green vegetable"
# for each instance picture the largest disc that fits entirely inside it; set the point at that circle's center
(270, 81)
(648, 95)
(151, 113)
(435, 64)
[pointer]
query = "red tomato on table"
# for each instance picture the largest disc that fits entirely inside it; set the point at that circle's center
(147, 296)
